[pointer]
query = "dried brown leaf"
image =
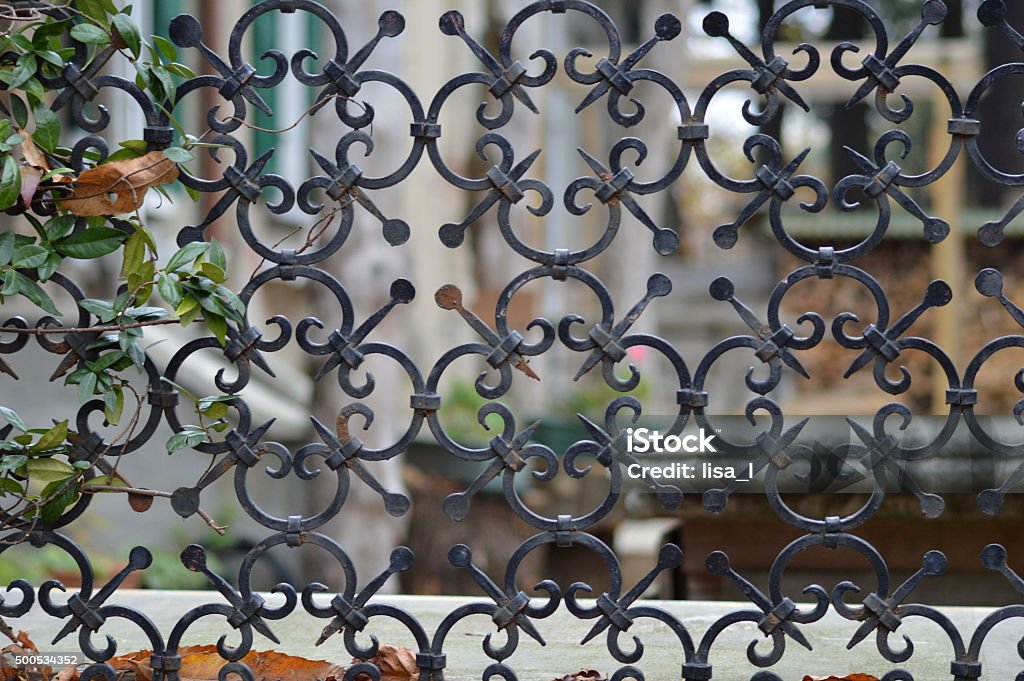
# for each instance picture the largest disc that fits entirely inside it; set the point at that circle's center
(30, 177)
(33, 156)
(851, 677)
(202, 663)
(393, 663)
(118, 187)
(583, 675)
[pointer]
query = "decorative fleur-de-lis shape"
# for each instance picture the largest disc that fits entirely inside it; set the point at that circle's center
(506, 453)
(246, 612)
(775, 183)
(344, 349)
(346, 453)
(507, 184)
(882, 72)
(245, 449)
(605, 340)
(614, 449)
(240, 184)
(616, 613)
(767, 77)
(614, 189)
(881, 453)
(505, 80)
(449, 297)
(186, 31)
(511, 608)
(343, 182)
(348, 614)
(342, 83)
(885, 612)
(620, 76)
(775, 343)
(881, 343)
(885, 179)
(84, 607)
(776, 615)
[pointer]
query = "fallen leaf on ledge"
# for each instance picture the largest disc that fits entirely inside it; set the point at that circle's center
(583, 675)
(203, 663)
(851, 677)
(393, 662)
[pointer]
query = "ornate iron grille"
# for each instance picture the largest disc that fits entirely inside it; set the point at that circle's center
(507, 185)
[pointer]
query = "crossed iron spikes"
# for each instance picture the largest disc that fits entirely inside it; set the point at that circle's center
(615, 190)
(881, 72)
(246, 612)
(775, 343)
(83, 607)
(884, 613)
(346, 454)
(776, 615)
(881, 453)
(884, 180)
(345, 349)
(245, 449)
(607, 340)
(882, 342)
(344, 177)
(506, 80)
(504, 187)
(616, 613)
(774, 183)
(449, 297)
(767, 77)
(510, 610)
(620, 76)
(349, 614)
(615, 449)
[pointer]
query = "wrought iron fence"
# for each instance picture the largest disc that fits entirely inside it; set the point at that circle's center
(508, 186)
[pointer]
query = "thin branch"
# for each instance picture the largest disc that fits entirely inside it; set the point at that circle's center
(94, 489)
(89, 329)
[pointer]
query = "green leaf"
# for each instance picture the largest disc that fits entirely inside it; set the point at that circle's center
(46, 469)
(19, 110)
(10, 183)
(166, 47)
(12, 462)
(179, 155)
(139, 147)
(35, 293)
(53, 438)
(103, 310)
(29, 257)
(96, 9)
(24, 71)
(218, 326)
(86, 388)
(59, 226)
(106, 361)
(213, 272)
(216, 256)
(187, 254)
(113, 405)
(91, 243)
(169, 290)
(12, 486)
(134, 255)
(7, 246)
(90, 34)
(13, 419)
(47, 134)
(129, 33)
(105, 481)
(53, 510)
